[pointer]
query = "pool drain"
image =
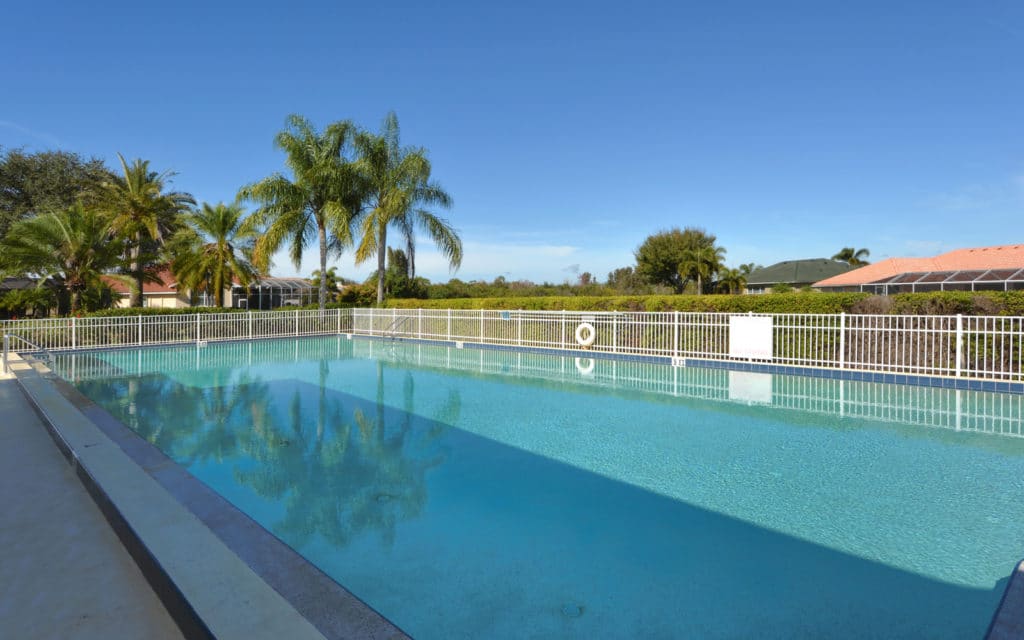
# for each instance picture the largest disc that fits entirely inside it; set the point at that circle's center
(572, 610)
(384, 497)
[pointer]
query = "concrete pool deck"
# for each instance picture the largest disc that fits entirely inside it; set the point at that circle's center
(217, 573)
(66, 575)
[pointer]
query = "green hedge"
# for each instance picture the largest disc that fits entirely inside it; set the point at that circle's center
(933, 303)
(769, 303)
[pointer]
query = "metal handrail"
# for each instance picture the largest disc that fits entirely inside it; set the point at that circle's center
(7, 350)
(391, 331)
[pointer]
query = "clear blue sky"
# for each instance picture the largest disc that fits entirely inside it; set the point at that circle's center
(568, 133)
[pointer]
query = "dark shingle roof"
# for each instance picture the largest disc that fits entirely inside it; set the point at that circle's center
(798, 271)
(13, 284)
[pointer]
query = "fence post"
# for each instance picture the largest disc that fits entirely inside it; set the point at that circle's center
(198, 332)
(842, 340)
(481, 325)
(419, 323)
(7, 351)
(675, 335)
(249, 318)
(615, 327)
(519, 329)
(296, 323)
(140, 330)
(959, 342)
(449, 331)
(74, 333)
(338, 316)
(561, 336)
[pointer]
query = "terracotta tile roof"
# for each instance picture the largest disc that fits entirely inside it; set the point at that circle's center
(167, 284)
(978, 258)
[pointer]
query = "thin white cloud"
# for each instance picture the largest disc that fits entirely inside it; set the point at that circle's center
(39, 135)
(980, 196)
(924, 248)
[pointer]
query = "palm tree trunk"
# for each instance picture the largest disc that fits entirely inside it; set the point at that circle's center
(135, 266)
(410, 252)
(323, 266)
(218, 288)
(700, 286)
(381, 254)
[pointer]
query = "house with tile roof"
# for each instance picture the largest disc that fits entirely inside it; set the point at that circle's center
(999, 268)
(268, 293)
(795, 273)
(162, 293)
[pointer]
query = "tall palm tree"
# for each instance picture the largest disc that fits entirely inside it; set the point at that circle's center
(319, 202)
(700, 263)
(213, 249)
(853, 256)
(74, 247)
(398, 188)
(732, 280)
(144, 214)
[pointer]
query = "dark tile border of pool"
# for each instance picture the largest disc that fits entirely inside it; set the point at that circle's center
(1008, 621)
(326, 605)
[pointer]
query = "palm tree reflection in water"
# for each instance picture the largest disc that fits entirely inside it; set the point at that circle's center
(339, 465)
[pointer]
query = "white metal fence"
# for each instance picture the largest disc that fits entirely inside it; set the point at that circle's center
(989, 347)
(976, 347)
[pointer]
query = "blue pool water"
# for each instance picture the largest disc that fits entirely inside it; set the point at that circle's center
(468, 494)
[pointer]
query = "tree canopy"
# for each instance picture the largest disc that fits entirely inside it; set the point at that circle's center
(398, 190)
(659, 258)
(74, 247)
(144, 214)
(317, 204)
(213, 249)
(47, 181)
(853, 256)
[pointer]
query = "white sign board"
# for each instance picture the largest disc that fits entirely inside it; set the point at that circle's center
(750, 337)
(750, 387)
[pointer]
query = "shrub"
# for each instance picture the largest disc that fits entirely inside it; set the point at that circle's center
(932, 303)
(875, 305)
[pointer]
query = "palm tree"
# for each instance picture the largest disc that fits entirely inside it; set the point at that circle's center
(398, 187)
(732, 280)
(144, 215)
(320, 201)
(331, 276)
(749, 267)
(213, 249)
(74, 247)
(853, 256)
(700, 263)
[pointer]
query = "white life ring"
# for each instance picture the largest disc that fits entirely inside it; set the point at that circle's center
(588, 339)
(585, 366)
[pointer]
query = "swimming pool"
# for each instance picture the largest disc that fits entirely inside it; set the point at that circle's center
(480, 493)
